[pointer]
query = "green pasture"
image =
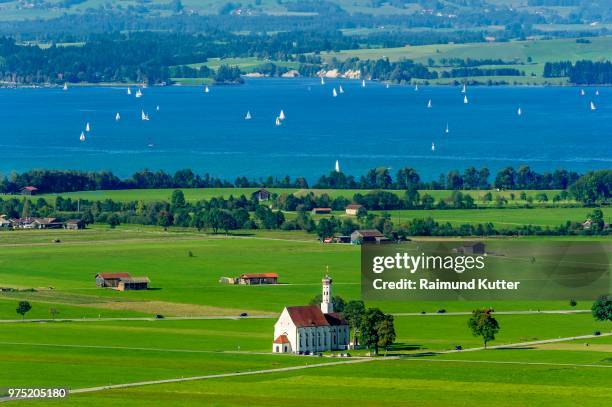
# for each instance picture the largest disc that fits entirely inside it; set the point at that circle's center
(406, 382)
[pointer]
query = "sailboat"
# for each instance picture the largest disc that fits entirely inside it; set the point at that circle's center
(337, 168)
(340, 90)
(447, 129)
(278, 122)
(322, 81)
(463, 89)
(465, 99)
(597, 92)
(593, 106)
(334, 93)
(65, 86)
(429, 104)
(387, 86)
(143, 115)
(87, 127)
(363, 83)
(117, 116)
(433, 147)
(157, 108)
(581, 92)
(248, 115)
(519, 111)
(82, 137)
(138, 93)
(416, 87)
(281, 116)
(129, 91)
(206, 90)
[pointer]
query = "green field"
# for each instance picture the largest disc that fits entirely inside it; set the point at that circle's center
(528, 56)
(88, 352)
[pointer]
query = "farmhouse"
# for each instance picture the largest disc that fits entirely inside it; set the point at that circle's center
(29, 190)
(23, 223)
(110, 279)
(5, 223)
(133, 283)
(308, 328)
(258, 278)
(368, 236)
(353, 209)
(472, 248)
(47, 223)
(74, 224)
(262, 194)
(321, 211)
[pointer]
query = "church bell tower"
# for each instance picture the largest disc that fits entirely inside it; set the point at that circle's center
(326, 299)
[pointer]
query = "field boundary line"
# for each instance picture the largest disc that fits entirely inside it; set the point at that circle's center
(508, 362)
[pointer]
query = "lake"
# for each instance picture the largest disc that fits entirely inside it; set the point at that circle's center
(362, 128)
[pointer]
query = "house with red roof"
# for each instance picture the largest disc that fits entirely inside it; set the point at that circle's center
(308, 329)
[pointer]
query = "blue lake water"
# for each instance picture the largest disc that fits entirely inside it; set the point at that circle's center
(362, 128)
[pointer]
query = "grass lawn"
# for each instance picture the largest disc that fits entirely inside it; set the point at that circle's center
(408, 382)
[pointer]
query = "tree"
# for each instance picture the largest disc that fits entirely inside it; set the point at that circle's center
(602, 308)
(353, 312)
(372, 317)
(386, 332)
(483, 324)
(23, 308)
(164, 219)
(178, 199)
(113, 220)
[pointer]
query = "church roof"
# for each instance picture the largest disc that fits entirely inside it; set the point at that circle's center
(282, 339)
(335, 319)
(307, 315)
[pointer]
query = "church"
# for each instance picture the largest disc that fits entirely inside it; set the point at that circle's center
(308, 328)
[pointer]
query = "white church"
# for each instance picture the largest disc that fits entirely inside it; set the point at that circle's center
(308, 328)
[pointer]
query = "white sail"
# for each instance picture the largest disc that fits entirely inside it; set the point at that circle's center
(465, 99)
(433, 147)
(447, 130)
(337, 168)
(387, 86)
(322, 81)
(206, 90)
(157, 108)
(593, 106)
(82, 138)
(463, 89)
(278, 122)
(87, 127)
(129, 91)
(143, 115)
(340, 89)
(597, 92)
(117, 116)
(334, 93)
(281, 115)
(248, 116)
(429, 103)
(416, 88)
(363, 83)
(519, 111)
(581, 92)
(138, 93)
(66, 86)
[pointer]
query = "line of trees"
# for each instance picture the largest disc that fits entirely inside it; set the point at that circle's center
(592, 188)
(582, 72)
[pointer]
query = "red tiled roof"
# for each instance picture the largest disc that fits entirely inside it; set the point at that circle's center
(335, 319)
(322, 209)
(259, 275)
(282, 339)
(307, 315)
(30, 188)
(354, 206)
(113, 275)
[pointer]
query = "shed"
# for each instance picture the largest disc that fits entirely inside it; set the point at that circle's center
(353, 209)
(367, 236)
(133, 283)
(110, 279)
(262, 194)
(258, 278)
(74, 224)
(321, 211)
